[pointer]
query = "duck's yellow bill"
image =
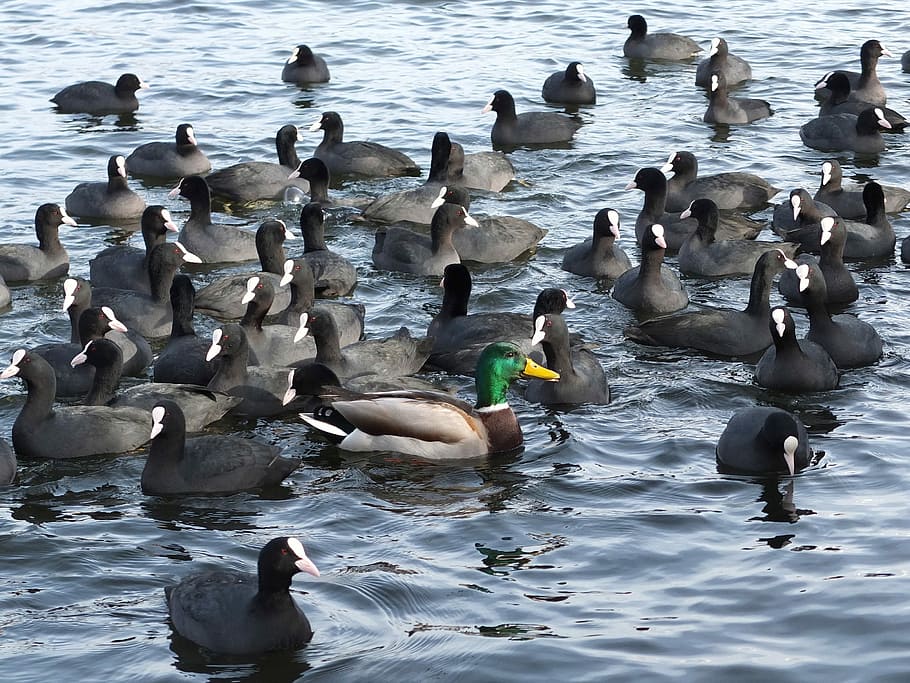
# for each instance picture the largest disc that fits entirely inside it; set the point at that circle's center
(532, 369)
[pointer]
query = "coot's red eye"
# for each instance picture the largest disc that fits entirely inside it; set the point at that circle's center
(284, 551)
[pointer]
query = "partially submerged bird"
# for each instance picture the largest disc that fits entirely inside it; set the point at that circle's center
(210, 463)
(763, 440)
(527, 128)
(111, 199)
(661, 45)
(571, 86)
(725, 109)
(237, 613)
(357, 157)
(98, 97)
(303, 66)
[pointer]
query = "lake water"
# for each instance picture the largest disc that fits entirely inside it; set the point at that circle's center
(609, 548)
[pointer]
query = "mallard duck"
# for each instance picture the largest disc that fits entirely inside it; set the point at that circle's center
(307, 382)
(434, 425)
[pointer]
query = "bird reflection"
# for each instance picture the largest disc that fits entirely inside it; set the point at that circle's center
(557, 432)
(636, 70)
(819, 419)
(779, 505)
(502, 562)
(282, 665)
(720, 132)
(403, 484)
(212, 513)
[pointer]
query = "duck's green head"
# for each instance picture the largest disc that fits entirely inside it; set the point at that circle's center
(499, 365)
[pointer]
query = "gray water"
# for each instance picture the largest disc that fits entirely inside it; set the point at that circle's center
(609, 548)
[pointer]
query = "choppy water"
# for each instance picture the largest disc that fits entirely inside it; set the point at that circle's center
(609, 549)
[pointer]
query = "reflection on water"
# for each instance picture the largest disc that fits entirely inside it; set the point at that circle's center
(498, 562)
(273, 666)
(779, 505)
